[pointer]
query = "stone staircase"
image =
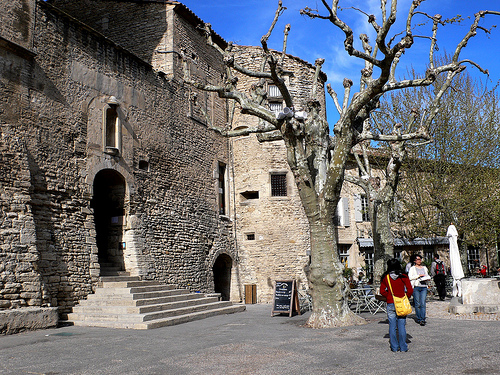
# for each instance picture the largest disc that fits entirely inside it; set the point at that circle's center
(127, 302)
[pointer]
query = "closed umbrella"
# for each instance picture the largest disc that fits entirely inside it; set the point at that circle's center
(457, 271)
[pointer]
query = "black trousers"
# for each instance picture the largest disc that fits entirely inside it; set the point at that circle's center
(440, 281)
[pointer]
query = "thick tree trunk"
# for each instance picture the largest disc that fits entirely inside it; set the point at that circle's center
(383, 241)
(326, 282)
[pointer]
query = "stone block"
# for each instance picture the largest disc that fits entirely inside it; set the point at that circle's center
(28, 318)
(481, 291)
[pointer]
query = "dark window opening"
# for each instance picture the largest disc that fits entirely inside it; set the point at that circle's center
(251, 236)
(144, 165)
(250, 194)
(222, 189)
(111, 127)
(278, 185)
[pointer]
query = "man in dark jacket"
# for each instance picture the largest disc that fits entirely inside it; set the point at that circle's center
(438, 272)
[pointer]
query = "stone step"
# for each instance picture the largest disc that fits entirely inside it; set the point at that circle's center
(128, 300)
(105, 279)
(158, 323)
(114, 315)
(186, 310)
(125, 293)
(133, 309)
(133, 284)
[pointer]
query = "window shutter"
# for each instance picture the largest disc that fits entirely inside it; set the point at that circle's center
(345, 206)
(358, 214)
(339, 213)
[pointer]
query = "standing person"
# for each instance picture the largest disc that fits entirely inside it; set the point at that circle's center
(419, 276)
(400, 285)
(410, 263)
(438, 273)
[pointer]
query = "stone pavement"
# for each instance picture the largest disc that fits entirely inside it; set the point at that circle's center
(253, 342)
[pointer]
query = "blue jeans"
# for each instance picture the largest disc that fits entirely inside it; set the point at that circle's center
(396, 323)
(419, 296)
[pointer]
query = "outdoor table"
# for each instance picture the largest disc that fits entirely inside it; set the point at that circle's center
(363, 299)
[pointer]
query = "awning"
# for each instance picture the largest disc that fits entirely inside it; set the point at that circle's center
(368, 242)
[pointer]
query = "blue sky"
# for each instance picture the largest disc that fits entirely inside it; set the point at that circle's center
(244, 22)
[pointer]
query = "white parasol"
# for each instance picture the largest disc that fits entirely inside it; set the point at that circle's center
(457, 271)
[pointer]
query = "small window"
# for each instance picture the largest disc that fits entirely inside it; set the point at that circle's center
(276, 107)
(364, 208)
(250, 194)
(111, 128)
(222, 188)
(369, 263)
(278, 185)
(250, 236)
(428, 253)
(274, 92)
(473, 259)
(144, 165)
(343, 251)
(275, 99)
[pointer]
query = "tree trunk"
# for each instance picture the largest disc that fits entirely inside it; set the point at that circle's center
(383, 241)
(326, 282)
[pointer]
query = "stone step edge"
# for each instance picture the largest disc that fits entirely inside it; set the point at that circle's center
(163, 322)
(130, 301)
(145, 317)
(145, 309)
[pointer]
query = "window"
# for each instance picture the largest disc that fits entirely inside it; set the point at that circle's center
(250, 236)
(222, 188)
(428, 253)
(274, 98)
(250, 194)
(274, 91)
(144, 165)
(473, 262)
(276, 107)
(111, 128)
(343, 251)
(361, 208)
(278, 185)
(369, 264)
(364, 208)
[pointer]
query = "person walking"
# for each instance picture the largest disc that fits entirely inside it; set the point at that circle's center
(438, 273)
(419, 277)
(400, 284)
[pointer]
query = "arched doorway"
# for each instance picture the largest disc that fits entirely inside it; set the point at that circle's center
(222, 276)
(109, 210)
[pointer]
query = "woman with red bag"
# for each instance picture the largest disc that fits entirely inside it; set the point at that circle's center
(400, 284)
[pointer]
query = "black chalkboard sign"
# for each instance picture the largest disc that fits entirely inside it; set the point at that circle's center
(286, 299)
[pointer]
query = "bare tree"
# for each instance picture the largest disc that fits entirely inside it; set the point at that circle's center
(318, 160)
(455, 177)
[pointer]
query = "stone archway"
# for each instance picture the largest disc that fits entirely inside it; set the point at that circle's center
(109, 210)
(222, 276)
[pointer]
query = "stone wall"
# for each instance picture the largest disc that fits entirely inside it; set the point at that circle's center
(20, 283)
(16, 22)
(53, 104)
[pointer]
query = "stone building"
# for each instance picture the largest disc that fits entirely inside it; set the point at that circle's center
(107, 163)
